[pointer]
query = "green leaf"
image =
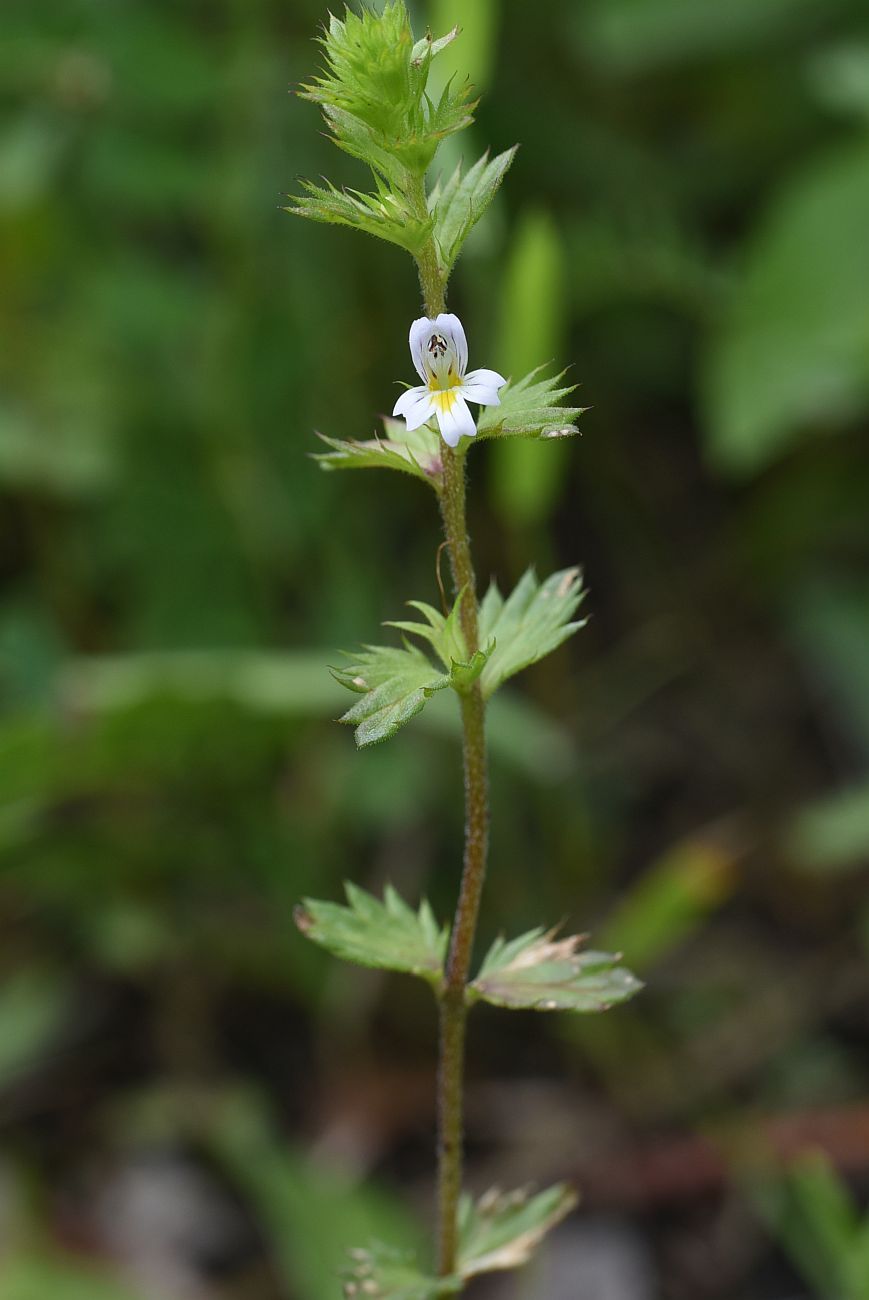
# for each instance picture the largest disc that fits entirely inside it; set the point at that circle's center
(396, 682)
(387, 1274)
(373, 92)
(499, 1231)
(358, 140)
(529, 624)
(367, 71)
(388, 935)
(385, 214)
(793, 350)
(417, 453)
(531, 408)
(502, 1230)
(538, 972)
(459, 204)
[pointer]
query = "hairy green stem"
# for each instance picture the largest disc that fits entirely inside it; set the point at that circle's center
(453, 1009)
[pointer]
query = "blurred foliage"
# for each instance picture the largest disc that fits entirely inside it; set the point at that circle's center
(812, 1211)
(684, 226)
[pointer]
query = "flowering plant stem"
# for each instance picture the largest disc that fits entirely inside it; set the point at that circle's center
(453, 1008)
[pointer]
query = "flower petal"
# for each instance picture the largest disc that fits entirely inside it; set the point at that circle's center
(489, 380)
(481, 395)
(455, 419)
(420, 332)
(454, 332)
(416, 406)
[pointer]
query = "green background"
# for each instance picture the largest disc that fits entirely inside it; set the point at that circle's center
(191, 1096)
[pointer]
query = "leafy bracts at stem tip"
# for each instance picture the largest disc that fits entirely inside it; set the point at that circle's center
(499, 1231)
(417, 453)
(459, 203)
(388, 935)
(396, 681)
(373, 91)
(538, 972)
(532, 622)
(532, 408)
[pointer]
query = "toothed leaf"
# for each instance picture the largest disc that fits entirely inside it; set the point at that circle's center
(538, 972)
(502, 1230)
(499, 1231)
(459, 204)
(529, 624)
(384, 214)
(531, 408)
(395, 682)
(388, 935)
(417, 453)
(373, 93)
(382, 1273)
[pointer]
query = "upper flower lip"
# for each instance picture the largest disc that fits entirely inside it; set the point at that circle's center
(445, 328)
(439, 349)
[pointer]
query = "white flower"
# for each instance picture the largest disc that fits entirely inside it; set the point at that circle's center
(440, 353)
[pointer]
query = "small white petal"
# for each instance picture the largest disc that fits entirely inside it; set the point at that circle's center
(454, 332)
(486, 379)
(482, 394)
(416, 406)
(455, 420)
(420, 332)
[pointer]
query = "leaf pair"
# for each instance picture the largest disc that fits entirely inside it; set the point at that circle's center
(395, 682)
(499, 1231)
(536, 972)
(532, 408)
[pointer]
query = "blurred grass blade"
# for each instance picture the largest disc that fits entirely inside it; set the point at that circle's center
(670, 901)
(526, 480)
(792, 354)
